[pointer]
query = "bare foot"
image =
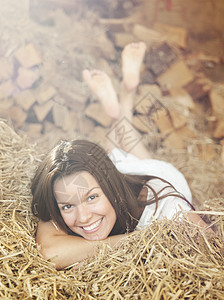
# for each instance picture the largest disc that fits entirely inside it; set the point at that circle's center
(101, 85)
(132, 58)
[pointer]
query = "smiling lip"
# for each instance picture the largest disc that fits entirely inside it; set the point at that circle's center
(93, 227)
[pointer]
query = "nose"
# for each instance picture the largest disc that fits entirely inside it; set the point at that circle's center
(83, 213)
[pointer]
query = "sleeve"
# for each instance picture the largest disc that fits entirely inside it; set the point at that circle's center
(167, 207)
(129, 164)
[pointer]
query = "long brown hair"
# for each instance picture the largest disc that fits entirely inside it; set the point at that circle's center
(82, 155)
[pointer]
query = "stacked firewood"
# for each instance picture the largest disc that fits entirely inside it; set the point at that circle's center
(175, 76)
(39, 93)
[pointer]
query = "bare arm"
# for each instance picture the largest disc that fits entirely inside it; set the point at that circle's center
(65, 250)
(197, 220)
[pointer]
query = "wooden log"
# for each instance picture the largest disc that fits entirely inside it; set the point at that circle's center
(142, 123)
(41, 111)
(98, 134)
(121, 24)
(222, 151)
(178, 75)
(26, 78)
(6, 69)
(71, 123)
(217, 103)
(151, 89)
(178, 120)
(146, 98)
(5, 105)
(121, 39)
(6, 89)
(182, 98)
(85, 125)
(28, 56)
(149, 36)
(17, 115)
(25, 99)
(186, 132)
(47, 93)
(159, 59)
(219, 130)
(199, 87)
(33, 128)
(147, 77)
(174, 140)
(96, 112)
(207, 152)
(173, 34)
(163, 121)
(60, 114)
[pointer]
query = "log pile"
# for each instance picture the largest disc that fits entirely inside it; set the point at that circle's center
(41, 88)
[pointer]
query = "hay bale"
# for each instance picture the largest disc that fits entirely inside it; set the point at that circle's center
(168, 260)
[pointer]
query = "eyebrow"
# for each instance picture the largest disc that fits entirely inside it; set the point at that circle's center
(85, 195)
(95, 187)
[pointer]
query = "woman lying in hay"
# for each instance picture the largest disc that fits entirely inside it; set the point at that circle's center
(82, 195)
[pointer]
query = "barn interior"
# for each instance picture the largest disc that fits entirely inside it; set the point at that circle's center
(178, 111)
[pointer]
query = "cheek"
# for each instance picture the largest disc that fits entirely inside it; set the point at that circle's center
(68, 218)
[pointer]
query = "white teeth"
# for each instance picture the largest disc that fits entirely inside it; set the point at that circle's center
(93, 226)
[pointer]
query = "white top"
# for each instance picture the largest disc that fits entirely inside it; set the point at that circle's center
(169, 206)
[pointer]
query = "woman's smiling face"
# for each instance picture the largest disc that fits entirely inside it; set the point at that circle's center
(84, 207)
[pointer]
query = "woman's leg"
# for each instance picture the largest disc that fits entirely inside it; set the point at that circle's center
(100, 84)
(122, 132)
(132, 58)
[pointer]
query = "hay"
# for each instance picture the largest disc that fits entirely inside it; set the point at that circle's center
(168, 260)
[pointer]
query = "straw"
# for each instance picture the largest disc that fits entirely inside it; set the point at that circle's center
(167, 260)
